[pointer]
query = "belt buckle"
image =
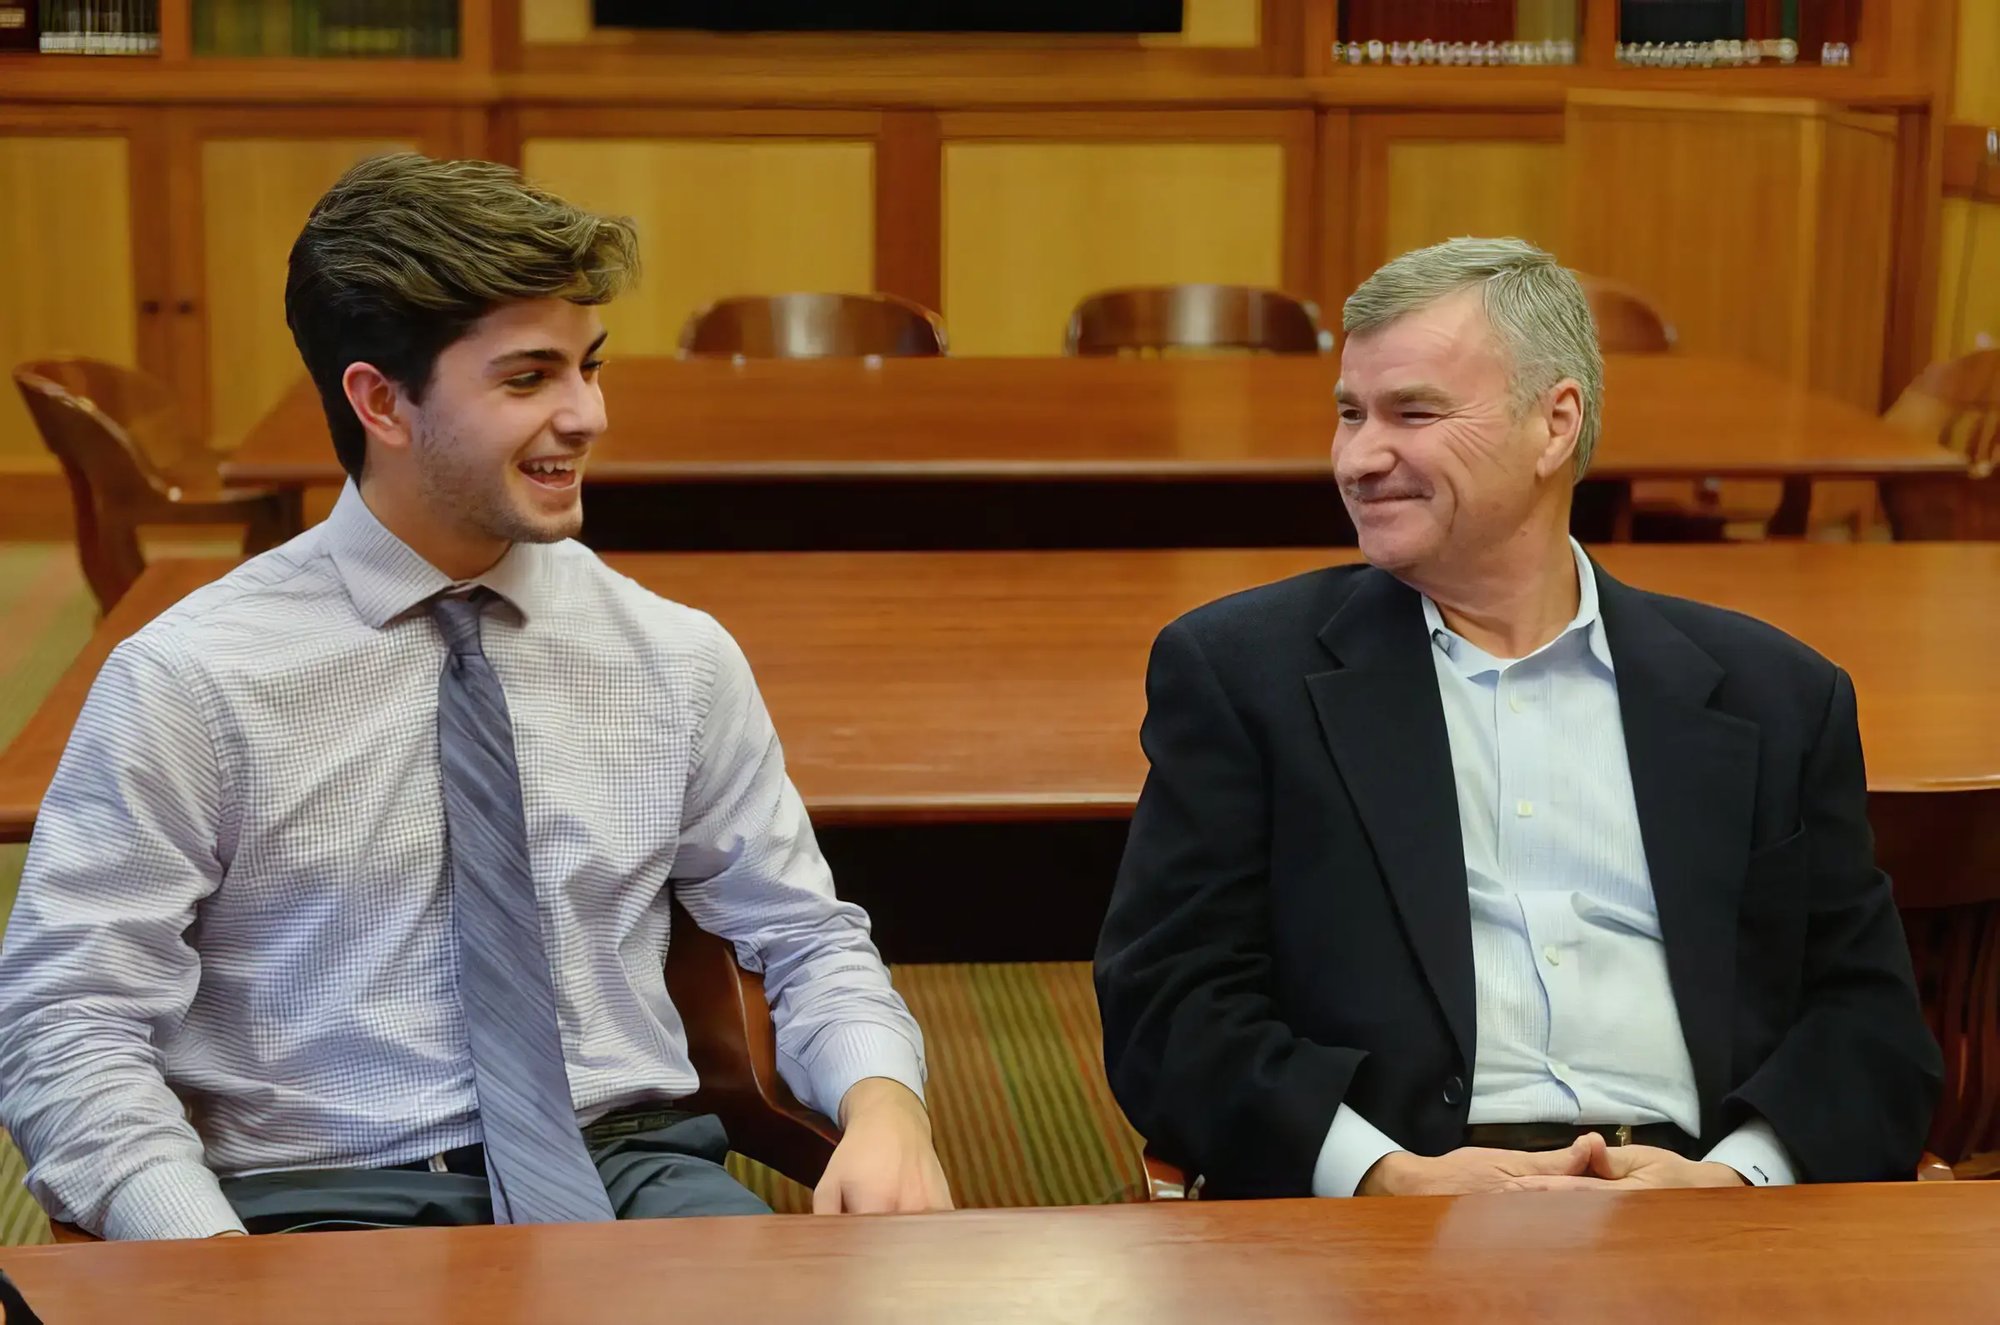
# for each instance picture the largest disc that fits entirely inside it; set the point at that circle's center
(1622, 1134)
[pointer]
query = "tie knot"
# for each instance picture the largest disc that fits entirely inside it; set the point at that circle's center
(457, 618)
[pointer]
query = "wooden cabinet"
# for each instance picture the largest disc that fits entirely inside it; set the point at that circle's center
(1764, 228)
(242, 181)
(159, 239)
(81, 272)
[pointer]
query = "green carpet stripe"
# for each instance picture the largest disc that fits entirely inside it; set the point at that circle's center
(1023, 1103)
(1073, 1063)
(1074, 999)
(978, 1142)
(1023, 1034)
(22, 565)
(22, 1222)
(1073, 1152)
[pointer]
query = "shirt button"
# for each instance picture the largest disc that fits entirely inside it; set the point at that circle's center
(1525, 809)
(1555, 957)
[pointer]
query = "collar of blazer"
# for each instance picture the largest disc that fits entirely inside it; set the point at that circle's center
(1694, 775)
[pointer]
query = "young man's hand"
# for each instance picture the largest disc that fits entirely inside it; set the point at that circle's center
(885, 1163)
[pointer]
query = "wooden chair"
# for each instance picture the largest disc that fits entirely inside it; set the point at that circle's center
(813, 326)
(1627, 322)
(1194, 317)
(1958, 402)
(131, 462)
(734, 1048)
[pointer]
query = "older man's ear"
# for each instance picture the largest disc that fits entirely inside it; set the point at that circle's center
(1562, 412)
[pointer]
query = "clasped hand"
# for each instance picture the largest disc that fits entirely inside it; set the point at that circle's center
(1586, 1164)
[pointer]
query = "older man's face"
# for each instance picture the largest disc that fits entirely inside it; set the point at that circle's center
(1431, 461)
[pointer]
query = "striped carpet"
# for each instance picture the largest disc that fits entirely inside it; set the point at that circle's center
(1021, 1111)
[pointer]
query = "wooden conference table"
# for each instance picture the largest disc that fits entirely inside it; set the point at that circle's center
(1912, 1251)
(980, 686)
(1072, 452)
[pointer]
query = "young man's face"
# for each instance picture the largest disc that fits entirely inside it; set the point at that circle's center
(499, 444)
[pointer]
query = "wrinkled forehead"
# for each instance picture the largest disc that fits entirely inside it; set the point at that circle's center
(1446, 347)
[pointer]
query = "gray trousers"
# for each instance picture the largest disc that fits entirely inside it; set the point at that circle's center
(662, 1173)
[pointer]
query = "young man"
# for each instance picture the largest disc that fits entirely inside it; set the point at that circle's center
(1473, 869)
(349, 901)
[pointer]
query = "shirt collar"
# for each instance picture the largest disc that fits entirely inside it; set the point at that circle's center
(1468, 659)
(386, 578)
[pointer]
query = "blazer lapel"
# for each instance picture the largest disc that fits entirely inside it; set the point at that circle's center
(1694, 775)
(1383, 722)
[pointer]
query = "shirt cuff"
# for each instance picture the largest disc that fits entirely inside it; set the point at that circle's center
(173, 1200)
(854, 1053)
(1352, 1146)
(1756, 1153)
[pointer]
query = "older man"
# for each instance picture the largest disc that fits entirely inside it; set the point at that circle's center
(1474, 869)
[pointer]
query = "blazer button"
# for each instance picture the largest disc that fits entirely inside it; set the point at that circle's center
(1454, 1091)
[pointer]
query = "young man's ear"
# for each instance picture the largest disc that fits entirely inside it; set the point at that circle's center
(379, 403)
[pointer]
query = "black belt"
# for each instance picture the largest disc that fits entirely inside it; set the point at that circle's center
(470, 1161)
(1555, 1136)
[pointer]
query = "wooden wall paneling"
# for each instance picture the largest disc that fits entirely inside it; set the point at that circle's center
(80, 257)
(477, 36)
(1423, 177)
(1336, 203)
(1968, 297)
(176, 18)
(1598, 47)
(1702, 204)
(909, 207)
(243, 182)
(1915, 209)
(1044, 208)
(728, 203)
(1319, 23)
(1853, 257)
(1975, 82)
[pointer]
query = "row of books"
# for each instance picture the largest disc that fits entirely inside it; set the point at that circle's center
(84, 27)
(314, 28)
(1488, 25)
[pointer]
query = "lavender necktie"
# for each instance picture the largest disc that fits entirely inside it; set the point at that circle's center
(537, 1165)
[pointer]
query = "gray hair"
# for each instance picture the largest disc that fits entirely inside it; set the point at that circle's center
(1535, 305)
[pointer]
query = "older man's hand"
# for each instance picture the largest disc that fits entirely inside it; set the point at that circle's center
(1474, 1169)
(885, 1163)
(1638, 1168)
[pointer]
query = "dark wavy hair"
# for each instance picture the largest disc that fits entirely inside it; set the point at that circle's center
(403, 254)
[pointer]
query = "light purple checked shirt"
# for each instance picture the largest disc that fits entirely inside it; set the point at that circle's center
(1576, 1015)
(233, 949)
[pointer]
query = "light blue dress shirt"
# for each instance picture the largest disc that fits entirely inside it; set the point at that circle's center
(233, 949)
(1576, 1015)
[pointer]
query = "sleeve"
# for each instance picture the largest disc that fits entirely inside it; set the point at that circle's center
(1851, 1087)
(748, 869)
(97, 966)
(1352, 1147)
(1757, 1155)
(1196, 1051)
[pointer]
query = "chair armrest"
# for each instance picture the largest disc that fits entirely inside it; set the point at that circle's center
(734, 1048)
(1932, 1169)
(1165, 1182)
(67, 1233)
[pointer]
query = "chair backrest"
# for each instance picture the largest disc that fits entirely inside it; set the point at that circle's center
(117, 429)
(814, 326)
(1627, 322)
(734, 1048)
(1958, 402)
(1193, 317)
